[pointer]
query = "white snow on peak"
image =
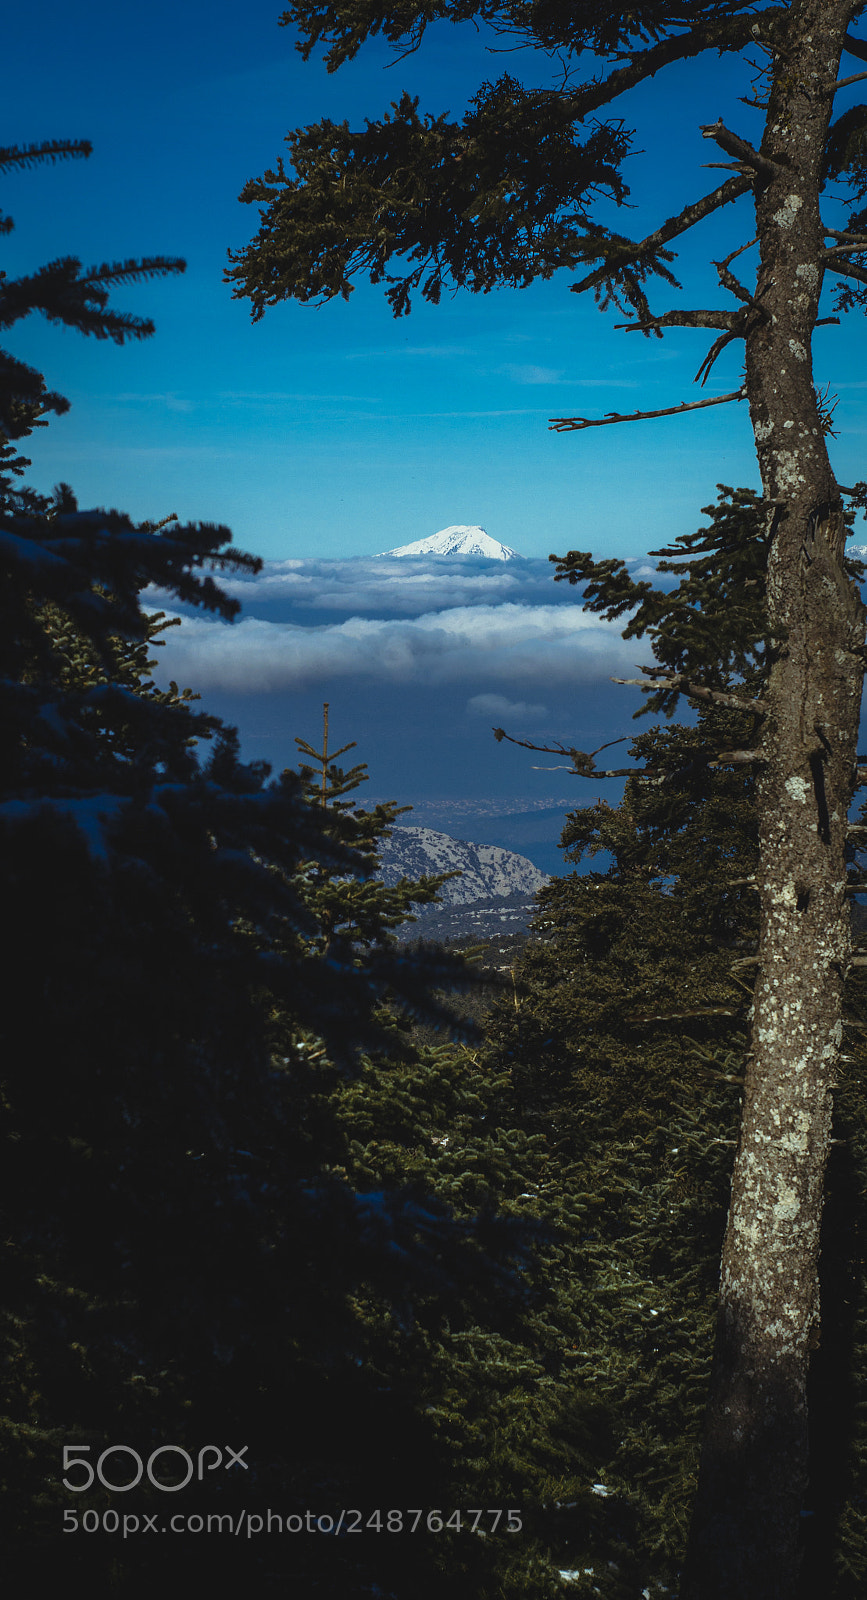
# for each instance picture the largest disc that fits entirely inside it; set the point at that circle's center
(461, 539)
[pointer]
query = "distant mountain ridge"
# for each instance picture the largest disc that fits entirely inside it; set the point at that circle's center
(487, 871)
(460, 539)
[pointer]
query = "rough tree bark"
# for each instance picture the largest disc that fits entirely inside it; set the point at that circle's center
(753, 1478)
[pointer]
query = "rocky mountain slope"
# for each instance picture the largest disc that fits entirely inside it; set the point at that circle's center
(487, 871)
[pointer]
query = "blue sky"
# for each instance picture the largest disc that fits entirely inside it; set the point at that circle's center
(323, 435)
(337, 430)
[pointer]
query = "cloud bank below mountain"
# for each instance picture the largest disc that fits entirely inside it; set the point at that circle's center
(415, 655)
(398, 621)
(510, 645)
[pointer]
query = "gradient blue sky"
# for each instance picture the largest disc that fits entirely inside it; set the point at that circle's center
(338, 431)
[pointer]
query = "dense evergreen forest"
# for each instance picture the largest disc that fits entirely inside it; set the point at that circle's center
(292, 1229)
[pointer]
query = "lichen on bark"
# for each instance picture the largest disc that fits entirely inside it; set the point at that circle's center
(753, 1483)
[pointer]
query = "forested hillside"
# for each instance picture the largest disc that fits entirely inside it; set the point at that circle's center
(216, 1239)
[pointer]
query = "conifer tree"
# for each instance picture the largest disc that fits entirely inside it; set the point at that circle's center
(629, 1051)
(505, 195)
(694, 800)
(66, 295)
(198, 962)
(626, 1051)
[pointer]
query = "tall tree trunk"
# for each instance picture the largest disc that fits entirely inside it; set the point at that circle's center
(745, 1543)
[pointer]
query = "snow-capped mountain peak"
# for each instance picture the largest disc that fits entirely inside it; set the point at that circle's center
(461, 539)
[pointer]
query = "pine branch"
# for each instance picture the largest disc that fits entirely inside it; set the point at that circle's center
(115, 325)
(675, 226)
(732, 33)
(49, 150)
(24, 386)
(132, 271)
(574, 424)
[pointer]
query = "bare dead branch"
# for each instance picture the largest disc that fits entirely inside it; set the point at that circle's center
(848, 269)
(727, 260)
(736, 758)
(583, 764)
(675, 226)
(682, 319)
(696, 691)
(843, 83)
(742, 151)
(733, 284)
(574, 424)
(715, 350)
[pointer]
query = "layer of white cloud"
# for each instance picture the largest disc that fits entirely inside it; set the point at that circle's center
(409, 586)
(497, 705)
(512, 645)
